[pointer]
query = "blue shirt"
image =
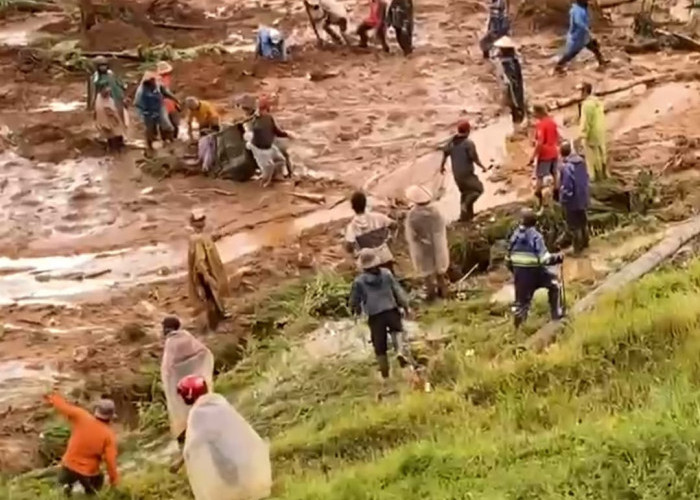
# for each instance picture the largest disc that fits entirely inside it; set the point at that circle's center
(527, 248)
(579, 23)
(574, 192)
(269, 50)
(149, 102)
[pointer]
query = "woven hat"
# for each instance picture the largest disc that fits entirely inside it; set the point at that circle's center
(418, 195)
(105, 409)
(164, 67)
(505, 42)
(197, 215)
(368, 258)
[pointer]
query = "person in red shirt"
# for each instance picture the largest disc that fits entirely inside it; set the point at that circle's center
(91, 441)
(545, 157)
(375, 21)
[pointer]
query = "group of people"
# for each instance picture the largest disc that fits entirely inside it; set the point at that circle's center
(223, 455)
(332, 16)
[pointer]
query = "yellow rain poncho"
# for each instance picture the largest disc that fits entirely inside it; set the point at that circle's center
(207, 281)
(183, 355)
(593, 135)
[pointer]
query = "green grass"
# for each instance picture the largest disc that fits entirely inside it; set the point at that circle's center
(611, 411)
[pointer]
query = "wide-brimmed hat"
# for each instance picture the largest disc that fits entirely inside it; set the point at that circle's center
(368, 258)
(105, 409)
(197, 215)
(505, 42)
(418, 195)
(164, 67)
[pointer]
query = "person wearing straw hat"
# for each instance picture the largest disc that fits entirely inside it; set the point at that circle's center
(377, 294)
(149, 103)
(204, 113)
(426, 235)
(91, 441)
(498, 26)
(462, 152)
(206, 276)
(512, 77)
(172, 106)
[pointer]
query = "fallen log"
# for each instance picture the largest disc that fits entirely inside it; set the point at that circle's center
(570, 101)
(28, 6)
(613, 3)
(176, 26)
(682, 41)
(674, 240)
(312, 197)
(130, 56)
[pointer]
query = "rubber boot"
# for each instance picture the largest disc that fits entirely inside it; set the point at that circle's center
(383, 362)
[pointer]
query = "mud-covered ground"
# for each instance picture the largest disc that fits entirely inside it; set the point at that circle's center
(89, 244)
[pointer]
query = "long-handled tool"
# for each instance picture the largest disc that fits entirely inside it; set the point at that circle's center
(562, 289)
(313, 24)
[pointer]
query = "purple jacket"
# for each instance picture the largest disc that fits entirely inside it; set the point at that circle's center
(574, 192)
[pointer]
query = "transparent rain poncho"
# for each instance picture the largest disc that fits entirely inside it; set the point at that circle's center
(183, 355)
(225, 457)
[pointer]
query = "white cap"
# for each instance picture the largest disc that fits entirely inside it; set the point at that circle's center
(275, 36)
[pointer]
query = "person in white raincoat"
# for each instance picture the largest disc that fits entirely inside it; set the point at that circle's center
(224, 456)
(183, 355)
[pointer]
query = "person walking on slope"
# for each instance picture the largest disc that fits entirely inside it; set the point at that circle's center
(545, 156)
(329, 13)
(528, 259)
(400, 17)
(225, 458)
(463, 155)
(266, 126)
(592, 129)
(376, 20)
(426, 235)
(206, 276)
(498, 26)
(172, 106)
(574, 195)
(108, 119)
(104, 76)
(91, 441)
(150, 103)
(513, 78)
(377, 293)
(579, 36)
(369, 230)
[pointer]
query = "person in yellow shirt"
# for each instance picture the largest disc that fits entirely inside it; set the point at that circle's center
(592, 132)
(204, 113)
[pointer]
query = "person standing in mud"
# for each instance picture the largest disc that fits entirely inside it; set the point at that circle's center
(528, 259)
(579, 36)
(329, 13)
(102, 76)
(545, 156)
(266, 127)
(498, 26)
(574, 196)
(513, 78)
(149, 103)
(592, 130)
(369, 230)
(400, 17)
(426, 235)
(270, 44)
(91, 441)
(172, 106)
(377, 294)
(462, 152)
(206, 276)
(108, 120)
(376, 20)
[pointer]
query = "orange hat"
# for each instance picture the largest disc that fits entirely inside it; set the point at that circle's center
(464, 127)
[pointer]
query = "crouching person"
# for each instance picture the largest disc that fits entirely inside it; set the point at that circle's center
(225, 458)
(528, 259)
(377, 293)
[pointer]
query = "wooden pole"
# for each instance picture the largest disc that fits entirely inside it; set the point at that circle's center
(307, 7)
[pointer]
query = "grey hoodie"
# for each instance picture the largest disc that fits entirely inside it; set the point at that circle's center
(376, 293)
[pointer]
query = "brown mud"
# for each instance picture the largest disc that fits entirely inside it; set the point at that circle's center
(90, 244)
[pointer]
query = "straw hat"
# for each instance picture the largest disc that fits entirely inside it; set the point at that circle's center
(164, 67)
(197, 215)
(418, 195)
(505, 42)
(368, 258)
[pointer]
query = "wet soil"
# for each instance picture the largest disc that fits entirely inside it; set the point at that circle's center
(89, 243)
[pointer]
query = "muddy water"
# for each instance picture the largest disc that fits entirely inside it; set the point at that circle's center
(21, 381)
(21, 33)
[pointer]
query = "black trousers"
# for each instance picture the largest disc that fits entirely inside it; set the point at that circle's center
(381, 325)
(577, 227)
(470, 188)
(91, 484)
(527, 281)
(365, 28)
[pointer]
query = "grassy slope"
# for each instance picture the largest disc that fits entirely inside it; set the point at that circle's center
(610, 412)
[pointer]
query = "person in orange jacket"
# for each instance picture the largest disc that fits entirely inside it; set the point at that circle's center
(92, 440)
(172, 107)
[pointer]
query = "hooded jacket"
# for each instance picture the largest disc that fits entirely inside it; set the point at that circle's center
(574, 192)
(426, 235)
(374, 293)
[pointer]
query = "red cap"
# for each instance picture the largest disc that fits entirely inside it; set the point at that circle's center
(463, 127)
(191, 387)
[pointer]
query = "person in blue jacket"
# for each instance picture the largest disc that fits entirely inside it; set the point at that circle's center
(574, 194)
(579, 35)
(528, 259)
(270, 44)
(498, 26)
